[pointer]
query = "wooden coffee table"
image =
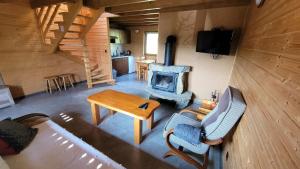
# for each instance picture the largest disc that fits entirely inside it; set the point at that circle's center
(124, 103)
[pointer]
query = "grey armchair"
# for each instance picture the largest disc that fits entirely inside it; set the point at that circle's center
(5, 95)
(216, 125)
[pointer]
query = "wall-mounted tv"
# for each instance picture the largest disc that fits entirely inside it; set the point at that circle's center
(216, 41)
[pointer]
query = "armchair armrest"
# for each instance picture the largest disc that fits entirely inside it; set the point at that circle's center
(213, 142)
(209, 142)
(199, 115)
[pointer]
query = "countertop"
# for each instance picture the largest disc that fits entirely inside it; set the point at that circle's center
(118, 57)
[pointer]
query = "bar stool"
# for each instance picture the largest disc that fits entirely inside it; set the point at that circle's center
(67, 78)
(53, 79)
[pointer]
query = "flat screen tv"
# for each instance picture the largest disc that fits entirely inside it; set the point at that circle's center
(214, 42)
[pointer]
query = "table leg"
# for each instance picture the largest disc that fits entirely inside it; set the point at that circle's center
(111, 112)
(95, 114)
(137, 131)
(150, 121)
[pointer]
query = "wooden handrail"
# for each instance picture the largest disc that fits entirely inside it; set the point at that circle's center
(51, 20)
(46, 16)
(40, 14)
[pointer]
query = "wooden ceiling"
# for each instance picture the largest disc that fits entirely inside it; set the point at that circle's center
(146, 12)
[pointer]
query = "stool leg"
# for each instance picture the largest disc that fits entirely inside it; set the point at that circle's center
(70, 80)
(64, 83)
(47, 88)
(50, 88)
(57, 85)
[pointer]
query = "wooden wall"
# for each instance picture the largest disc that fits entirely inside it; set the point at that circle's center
(23, 60)
(99, 45)
(267, 70)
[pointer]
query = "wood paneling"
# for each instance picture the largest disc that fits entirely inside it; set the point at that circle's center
(98, 44)
(267, 70)
(23, 59)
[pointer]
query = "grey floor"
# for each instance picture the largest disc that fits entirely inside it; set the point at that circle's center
(119, 126)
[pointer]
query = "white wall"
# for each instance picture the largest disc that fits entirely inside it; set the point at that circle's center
(207, 74)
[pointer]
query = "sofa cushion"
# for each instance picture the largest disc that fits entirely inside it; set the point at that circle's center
(17, 135)
(3, 164)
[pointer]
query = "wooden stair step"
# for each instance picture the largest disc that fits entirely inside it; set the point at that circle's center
(97, 69)
(71, 45)
(79, 24)
(80, 15)
(84, 16)
(73, 31)
(81, 21)
(71, 35)
(93, 67)
(94, 73)
(103, 81)
(76, 28)
(70, 41)
(72, 48)
(98, 76)
(71, 38)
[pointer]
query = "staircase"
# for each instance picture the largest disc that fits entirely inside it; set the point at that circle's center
(63, 28)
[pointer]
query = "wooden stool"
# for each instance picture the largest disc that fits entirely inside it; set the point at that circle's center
(144, 72)
(53, 79)
(68, 77)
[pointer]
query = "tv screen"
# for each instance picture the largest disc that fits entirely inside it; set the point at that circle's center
(214, 42)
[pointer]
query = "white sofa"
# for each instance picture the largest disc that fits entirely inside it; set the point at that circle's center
(56, 148)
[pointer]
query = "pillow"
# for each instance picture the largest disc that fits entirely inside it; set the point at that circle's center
(17, 135)
(6, 149)
(3, 164)
(189, 133)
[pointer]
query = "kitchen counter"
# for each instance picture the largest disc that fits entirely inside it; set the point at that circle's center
(118, 57)
(123, 64)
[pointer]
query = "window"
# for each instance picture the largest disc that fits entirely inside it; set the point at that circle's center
(151, 43)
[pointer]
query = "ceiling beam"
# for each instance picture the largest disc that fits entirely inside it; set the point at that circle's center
(129, 22)
(134, 20)
(135, 17)
(139, 24)
(134, 13)
(105, 3)
(161, 4)
(41, 3)
(206, 5)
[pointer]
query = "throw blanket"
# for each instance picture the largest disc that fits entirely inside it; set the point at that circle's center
(56, 148)
(188, 133)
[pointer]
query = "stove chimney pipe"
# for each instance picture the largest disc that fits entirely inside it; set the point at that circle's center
(170, 50)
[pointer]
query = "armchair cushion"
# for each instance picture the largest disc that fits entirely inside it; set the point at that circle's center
(182, 119)
(188, 132)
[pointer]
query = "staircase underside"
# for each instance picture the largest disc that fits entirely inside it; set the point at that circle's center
(63, 28)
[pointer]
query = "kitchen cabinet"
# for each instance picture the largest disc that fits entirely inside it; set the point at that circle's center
(121, 36)
(120, 64)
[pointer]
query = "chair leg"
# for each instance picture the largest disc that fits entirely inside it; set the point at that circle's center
(182, 155)
(70, 80)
